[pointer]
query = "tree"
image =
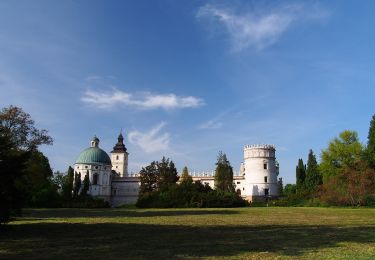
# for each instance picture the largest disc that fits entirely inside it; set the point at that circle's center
(148, 178)
(185, 177)
(77, 184)
(223, 174)
(19, 140)
(67, 187)
(12, 169)
(313, 177)
(166, 173)
(86, 184)
(18, 127)
(342, 153)
(354, 186)
(38, 183)
(280, 186)
(290, 189)
(300, 175)
(370, 149)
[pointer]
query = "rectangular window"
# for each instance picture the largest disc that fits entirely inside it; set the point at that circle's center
(265, 178)
(266, 192)
(265, 166)
(238, 182)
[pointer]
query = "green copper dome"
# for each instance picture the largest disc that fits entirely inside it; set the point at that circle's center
(93, 155)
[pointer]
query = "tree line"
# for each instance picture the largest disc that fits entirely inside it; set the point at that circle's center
(161, 187)
(344, 176)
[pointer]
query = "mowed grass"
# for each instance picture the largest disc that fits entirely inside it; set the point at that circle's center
(261, 233)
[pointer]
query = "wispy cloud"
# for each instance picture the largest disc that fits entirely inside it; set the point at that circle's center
(143, 100)
(211, 124)
(151, 141)
(258, 29)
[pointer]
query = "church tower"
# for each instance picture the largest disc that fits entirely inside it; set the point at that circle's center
(119, 157)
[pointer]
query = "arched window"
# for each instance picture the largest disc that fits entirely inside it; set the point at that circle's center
(238, 192)
(95, 179)
(105, 177)
(116, 157)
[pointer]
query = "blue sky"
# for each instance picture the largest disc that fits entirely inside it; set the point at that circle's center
(186, 79)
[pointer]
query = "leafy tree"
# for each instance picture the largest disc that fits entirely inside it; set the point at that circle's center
(18, 127)
(280, 186)
(12, 169)
(370, 149)
(354, 186)
(86, 184)
(148, 178)
(77, 184)
(166, 173)
(290, 189)
(38, 183)
(300, 175)
(67, 187)
(342, 153)
(223, 174)
(19, 140)
(185, 177)
(313, 177)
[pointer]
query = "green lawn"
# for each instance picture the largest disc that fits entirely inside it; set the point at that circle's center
(261, 233)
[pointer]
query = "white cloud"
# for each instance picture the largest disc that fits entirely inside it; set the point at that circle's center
(141, 100)
(151, 141)
(258, 30)
(211, 124)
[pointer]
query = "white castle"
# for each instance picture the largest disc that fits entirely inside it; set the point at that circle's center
(111, 181)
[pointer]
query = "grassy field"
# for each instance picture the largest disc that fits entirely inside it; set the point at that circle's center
(336, 233)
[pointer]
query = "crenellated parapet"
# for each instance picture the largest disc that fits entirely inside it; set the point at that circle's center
(259, 151)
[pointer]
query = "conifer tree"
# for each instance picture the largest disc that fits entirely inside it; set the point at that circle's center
(77, 184)
(300, 175)
(185, 177)
(280, 186)
(86, 184)
(313, 176)
(148, 177)
(370, 149)
(166, 173)
(223, 174)
(67, 187)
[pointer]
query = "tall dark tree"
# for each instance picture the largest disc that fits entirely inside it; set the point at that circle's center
(370, 149)
(86, 184)
(12, 170)
(185, 177)
(77, 184)
(223, 174)
(313, 177)
(166, 173)
(280, 186)
(148, 178)
(67, 187)
(18, 139)
(300, 175)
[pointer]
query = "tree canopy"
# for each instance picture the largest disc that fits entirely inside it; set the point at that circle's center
(223, 174)
(342, 152)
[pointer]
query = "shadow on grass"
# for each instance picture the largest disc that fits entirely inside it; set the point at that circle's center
(110, 240)
(38, 214)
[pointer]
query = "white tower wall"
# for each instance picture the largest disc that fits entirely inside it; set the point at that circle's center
(120, 163)
(261, 171)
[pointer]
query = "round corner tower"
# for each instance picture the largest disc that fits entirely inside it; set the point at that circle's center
(260, 172)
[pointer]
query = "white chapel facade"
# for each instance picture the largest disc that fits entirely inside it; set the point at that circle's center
(111, 181)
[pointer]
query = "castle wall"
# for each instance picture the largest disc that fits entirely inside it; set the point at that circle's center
(125, 190)
(260, 171)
